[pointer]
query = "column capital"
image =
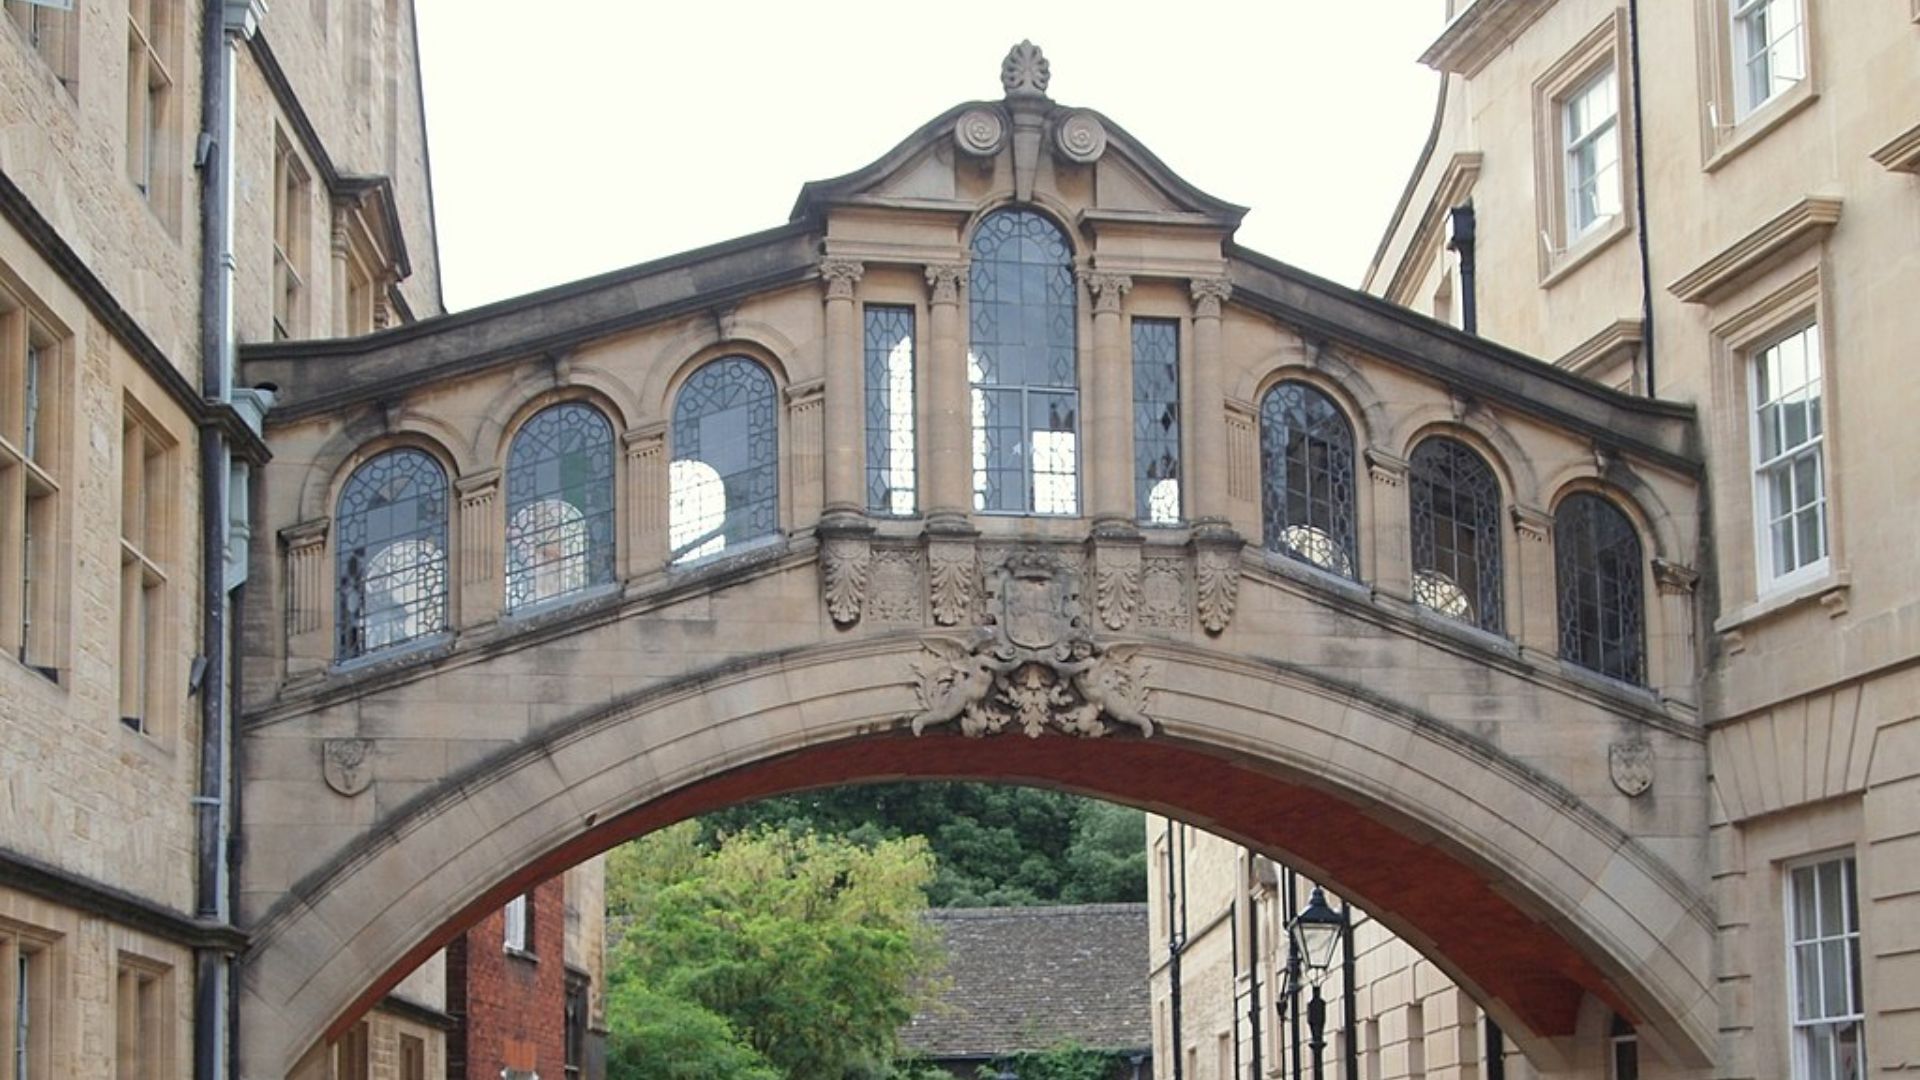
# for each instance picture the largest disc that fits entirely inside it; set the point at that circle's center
(1674, 579)
(1209, 294)
(1107, 288)
(841, 275)
(944, 279)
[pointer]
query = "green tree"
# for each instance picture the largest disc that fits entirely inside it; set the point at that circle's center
(812, 949)
(658, 1037)
(993, 844)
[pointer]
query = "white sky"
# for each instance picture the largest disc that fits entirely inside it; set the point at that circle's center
(601, 133)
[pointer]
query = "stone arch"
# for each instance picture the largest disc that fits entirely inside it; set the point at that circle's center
(1631, 493)
(1330, 371)
(370, 432)
(701, 342)
(537, 389)
(1045, 203)
(1528, 896)
(1489, 438)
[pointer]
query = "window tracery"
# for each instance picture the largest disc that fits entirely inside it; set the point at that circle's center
(559, 505)
(1306, 478)
(1601, 585)
(1456, 534)
(391, 552)
(724, 480)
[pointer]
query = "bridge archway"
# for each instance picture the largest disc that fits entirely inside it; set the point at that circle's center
(1512, 884)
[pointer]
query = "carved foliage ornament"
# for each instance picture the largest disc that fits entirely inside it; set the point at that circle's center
(950, 583)
(1035, 666)
(843, 578)
(1117, 591)
(1217, 581)
(1025, 71)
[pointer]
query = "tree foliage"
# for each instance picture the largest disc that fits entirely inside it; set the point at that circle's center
(993, 845)
(809, 951)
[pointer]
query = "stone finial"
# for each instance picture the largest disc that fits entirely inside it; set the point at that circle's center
(1024, 72)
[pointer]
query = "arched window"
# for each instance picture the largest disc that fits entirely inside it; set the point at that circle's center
(1456, 533)
(1306, 478)
(1597, 571)
(724, 483)
(559, 505)
(1022, 365)
(390, 544)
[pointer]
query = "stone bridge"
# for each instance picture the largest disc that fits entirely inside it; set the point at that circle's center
(1000, 461)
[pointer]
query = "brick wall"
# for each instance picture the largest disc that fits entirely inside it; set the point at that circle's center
(510, 1007)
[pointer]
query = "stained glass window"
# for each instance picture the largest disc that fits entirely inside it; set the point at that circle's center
(1597, 570)
(390, 543)
(1022, 367)
(890, 446)
(1456, 534)
(724, 482)
(1156, 420)
(1306, 478)
(559, 505)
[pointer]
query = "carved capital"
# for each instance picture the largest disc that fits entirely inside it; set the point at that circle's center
(1531, 524)
(944, 279)
(841, 275)
(1208, 295)
(478, 489)
(306, 535)
(1387, 470)
(1107, 289)
(1674, 579)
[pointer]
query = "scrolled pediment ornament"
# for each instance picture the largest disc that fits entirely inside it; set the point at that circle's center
(980, 132)
(1080, 137)
(1035, 666)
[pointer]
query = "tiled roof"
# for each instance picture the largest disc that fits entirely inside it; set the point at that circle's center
(1034, 978)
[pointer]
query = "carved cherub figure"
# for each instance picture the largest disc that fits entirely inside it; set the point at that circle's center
(954, 685)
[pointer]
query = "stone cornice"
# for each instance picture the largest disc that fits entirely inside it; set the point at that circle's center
(1803, 223)
(1902, 152)
(1615, 336)
(61, 886)
(1477, 34)
(1456, 183)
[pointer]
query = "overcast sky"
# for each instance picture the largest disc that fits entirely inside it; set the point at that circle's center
(574, 137)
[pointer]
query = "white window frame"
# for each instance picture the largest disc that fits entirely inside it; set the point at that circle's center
(1739, 13)
(518, 913)
(1764, 511)
(1798, 1028)
(1574, 145)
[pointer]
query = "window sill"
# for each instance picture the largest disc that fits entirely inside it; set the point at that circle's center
(537, 610)
(406, 650)
(747, 551)
(521, 954)
(1829, 589)
(1563, 263)
(1755, 125)
(1317, 577)
(1640, 695)
(1430, 619)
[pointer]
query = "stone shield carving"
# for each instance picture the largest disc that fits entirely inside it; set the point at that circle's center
(1034, 667)
(1631, 764)
(344, 765)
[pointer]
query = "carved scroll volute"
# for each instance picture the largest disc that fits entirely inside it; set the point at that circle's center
(646, 450)
(845, 560)
(1216, 579)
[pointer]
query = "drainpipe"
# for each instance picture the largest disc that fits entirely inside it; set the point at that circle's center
(1461, 222)
(1176, 937)
(1349, 995)
(225, 26)
(1496, 1043)
(1640, 190)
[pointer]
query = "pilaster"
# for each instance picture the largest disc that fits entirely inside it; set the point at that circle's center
(1390, 556)
(482, 541)
(805, 415)
(844, 424)
(1210, 466)
(1110, 402)
(309, 594)
(1671, 640)
(1538, 627)
(948, 470)
(647, 495)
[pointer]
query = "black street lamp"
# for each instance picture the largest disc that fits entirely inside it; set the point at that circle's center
(1313, 937)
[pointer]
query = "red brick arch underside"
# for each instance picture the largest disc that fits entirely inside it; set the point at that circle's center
(1482, 936)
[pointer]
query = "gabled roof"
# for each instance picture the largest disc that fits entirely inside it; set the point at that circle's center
(1034, 978)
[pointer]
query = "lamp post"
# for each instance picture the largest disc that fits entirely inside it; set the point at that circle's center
(1313, 937)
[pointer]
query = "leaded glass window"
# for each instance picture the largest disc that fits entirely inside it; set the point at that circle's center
(1306, 478)
(1456, 534)
(1597, 571)
(390, 544)
(724, 482)
(1156, 420)
(1022, 367)
(891, 483)
(559, 505)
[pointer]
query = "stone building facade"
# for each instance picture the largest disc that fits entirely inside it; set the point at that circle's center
(141, 143)
(1711, 201)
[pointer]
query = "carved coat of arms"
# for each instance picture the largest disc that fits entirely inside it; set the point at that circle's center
(1034, 666)
(344, 765)
(1631, 764)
